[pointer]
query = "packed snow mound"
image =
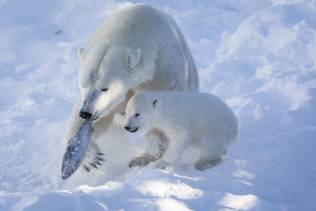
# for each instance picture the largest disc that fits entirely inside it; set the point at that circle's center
(259, 56)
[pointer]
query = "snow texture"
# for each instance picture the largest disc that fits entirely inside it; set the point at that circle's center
(259, 56)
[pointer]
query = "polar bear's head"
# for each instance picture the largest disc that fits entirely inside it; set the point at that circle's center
(142, 112)
(106, 76)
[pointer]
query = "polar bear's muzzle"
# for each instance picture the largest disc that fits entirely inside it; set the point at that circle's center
(88, 115)
(85, 115)
(87, 109)
(98, 103)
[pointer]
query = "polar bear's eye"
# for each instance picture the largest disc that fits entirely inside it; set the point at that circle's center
(104, 89)
(137, 115)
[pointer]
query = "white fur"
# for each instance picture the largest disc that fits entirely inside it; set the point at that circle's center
(187, 119)
(137, 45)
(137, 48)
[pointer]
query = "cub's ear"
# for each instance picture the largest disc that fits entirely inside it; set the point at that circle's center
(134, 58)
(155, 103)
(80, 51)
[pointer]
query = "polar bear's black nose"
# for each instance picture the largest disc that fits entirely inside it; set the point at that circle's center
(85, 115)
(127, 128)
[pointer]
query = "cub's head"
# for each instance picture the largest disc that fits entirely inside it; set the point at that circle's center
(106, 76)
(141, 112)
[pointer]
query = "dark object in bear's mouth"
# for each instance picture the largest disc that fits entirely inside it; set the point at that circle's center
(76, 150)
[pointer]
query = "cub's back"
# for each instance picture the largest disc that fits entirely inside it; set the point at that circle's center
(192, 101)
(200, 110)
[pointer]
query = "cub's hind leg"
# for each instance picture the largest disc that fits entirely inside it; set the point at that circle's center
(210, 155)
(204, 163)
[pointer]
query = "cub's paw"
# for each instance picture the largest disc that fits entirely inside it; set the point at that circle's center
(141, 161)
(202, 165)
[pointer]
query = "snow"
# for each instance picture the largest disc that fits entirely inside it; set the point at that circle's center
(239, 202)
(259, 56)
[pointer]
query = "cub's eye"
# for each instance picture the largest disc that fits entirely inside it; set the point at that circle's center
(104, 89)
(137, 115)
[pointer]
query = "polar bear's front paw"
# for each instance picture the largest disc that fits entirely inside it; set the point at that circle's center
(142, 160)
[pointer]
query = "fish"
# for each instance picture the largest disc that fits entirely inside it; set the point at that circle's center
(76, 150)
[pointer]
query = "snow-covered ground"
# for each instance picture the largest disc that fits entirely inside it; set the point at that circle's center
(260, 56)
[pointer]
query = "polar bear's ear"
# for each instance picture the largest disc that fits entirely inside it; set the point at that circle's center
(80, 51)
(155, 102)
(134, 57)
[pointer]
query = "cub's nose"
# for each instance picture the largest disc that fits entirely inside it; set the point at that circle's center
(85, 115)
(127, 128)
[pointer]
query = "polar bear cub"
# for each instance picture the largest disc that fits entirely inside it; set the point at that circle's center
(176, 120)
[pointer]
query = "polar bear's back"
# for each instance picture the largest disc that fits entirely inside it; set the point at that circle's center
(155, 32)
(128, 24)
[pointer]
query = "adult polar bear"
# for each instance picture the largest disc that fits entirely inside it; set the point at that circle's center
(137, 48)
